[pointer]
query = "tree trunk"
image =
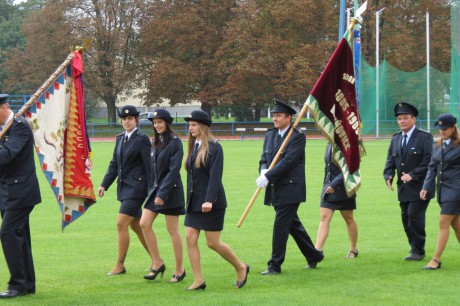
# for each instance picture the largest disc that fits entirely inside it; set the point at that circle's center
(257, 114)
(206, 107)
(111, 110)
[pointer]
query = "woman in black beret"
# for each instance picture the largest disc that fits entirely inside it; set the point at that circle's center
(165, 195)
(130, 166)
(445, 166)
(206, 202)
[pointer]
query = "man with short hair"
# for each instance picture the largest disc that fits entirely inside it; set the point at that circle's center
(19, 193)
(286, 188)
(409, 154)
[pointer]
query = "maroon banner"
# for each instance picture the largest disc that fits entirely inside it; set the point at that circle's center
(334, 107)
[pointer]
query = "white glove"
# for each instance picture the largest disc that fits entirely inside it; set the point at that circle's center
(262, 181)
(263, 171)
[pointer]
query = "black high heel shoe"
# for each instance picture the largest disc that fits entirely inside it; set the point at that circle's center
(151, 276)
(178, 278)
(239, 284)
(200, 287)
(433, 268)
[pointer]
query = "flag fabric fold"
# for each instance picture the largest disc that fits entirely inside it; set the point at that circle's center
(61, 142)
(333, 104)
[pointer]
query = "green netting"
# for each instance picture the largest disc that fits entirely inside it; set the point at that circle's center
(455, 58)
(395, 85)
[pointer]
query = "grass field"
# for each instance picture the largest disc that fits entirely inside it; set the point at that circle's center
(71, 267)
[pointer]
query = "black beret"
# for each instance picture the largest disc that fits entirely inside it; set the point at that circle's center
(128, 110)
(281, 107)
(405, 108)
(3, 98)
(160, 114)
(444, 121)
(199, 116)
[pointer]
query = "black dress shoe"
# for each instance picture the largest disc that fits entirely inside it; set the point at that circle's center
(313, 264)
(270, 272)
(8, 294)
(414, 257)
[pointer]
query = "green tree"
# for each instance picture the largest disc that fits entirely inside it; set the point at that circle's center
(29, 64)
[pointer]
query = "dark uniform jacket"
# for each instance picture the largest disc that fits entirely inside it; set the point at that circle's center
(287, 178)
(130, 165)
(18, 180)
(166, 182)
(333, 177)
(205, 183)
(445, 165)
(414, 161)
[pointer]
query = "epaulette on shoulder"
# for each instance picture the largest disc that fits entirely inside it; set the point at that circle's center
(271, 129)
(297, 129)
(424, 131)
(121, 134)
(397, 133)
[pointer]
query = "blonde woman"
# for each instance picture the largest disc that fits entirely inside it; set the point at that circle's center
(206, 202)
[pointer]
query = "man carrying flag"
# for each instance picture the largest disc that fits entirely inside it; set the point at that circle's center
(19, 193)
(286, 188)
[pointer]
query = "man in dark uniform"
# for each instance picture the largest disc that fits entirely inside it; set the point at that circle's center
(286, 188)
(19, 193)
(409, 154)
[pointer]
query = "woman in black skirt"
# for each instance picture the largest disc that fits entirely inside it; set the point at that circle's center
(334, 197)
(130, 166)
(445, 165)
(206, 202)
(166, 194)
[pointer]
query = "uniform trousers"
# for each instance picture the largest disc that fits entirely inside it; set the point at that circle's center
(288, 223)
(413, 219)
(17, 248)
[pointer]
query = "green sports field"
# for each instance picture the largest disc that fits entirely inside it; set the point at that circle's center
(71, 267)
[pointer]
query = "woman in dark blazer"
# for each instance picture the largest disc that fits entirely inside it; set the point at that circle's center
(445, 166)
(334, 197)
(206, 202)
(130, 165)
(165, 195)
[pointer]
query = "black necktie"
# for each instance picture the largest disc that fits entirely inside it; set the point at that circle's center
(404, 144)
(125, 140)
(444, 144)
(195, 149)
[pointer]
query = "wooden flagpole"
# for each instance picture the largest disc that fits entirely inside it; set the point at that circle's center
(273, 163)
(39, 92)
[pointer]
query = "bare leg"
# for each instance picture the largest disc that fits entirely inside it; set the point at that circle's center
(148, 217)
(192, 235)
(323, 229)
(123, 222)
(443, 236)
(214, 243)
(172, 224)
(352, 229)
(455, 224)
